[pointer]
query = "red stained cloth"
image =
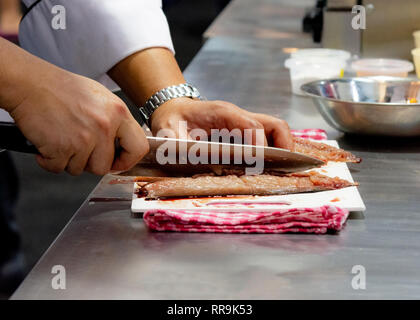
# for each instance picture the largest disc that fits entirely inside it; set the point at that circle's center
(315, 134)
(304, 220)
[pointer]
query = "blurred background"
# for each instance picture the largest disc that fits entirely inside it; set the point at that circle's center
(47, 201)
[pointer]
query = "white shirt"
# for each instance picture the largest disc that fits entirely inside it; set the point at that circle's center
(5, 116)
(98, 34)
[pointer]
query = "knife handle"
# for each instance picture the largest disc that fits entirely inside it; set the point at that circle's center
(11, 138)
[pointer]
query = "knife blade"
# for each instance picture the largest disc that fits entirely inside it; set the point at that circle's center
(221, 155)
(11, 138)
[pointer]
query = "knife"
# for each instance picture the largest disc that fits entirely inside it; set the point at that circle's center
(11, 138)
(274, 158)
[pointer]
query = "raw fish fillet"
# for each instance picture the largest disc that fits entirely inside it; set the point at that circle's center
(265, 184)
(323, 151)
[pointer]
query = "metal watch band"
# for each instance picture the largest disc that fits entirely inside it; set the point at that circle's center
(166, 94)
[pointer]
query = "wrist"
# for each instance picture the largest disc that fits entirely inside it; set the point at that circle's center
(25, 88)
(166, 95)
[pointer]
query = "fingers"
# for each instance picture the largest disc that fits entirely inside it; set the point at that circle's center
(282, 137)
(94, 149)
(55, 161)
(56, 165)
(102, 157)
(278, 130)
(77, 163)
(237, 119)
(133, 143)
(275, 129)
(71, 156)
(254, 132)
(99, 158)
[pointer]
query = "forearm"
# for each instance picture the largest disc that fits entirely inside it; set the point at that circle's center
(144, 73)
(19, 72)
(10, 14)
(10, 6)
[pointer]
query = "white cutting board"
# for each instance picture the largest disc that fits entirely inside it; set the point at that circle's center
(347, 198)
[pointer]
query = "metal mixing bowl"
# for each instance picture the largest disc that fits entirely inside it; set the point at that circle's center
(370, 105)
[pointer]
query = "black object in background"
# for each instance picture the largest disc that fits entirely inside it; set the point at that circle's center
(188, 20)
(314, 20)
(11, 258)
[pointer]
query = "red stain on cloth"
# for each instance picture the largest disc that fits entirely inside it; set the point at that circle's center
(303, 220)
(315, 134)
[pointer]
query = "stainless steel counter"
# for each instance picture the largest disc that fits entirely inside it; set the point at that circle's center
(108, 253)
(263, 19)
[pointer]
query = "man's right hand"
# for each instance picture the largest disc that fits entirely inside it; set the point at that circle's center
(73, 122)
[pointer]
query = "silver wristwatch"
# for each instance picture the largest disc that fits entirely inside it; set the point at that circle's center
(164, 95)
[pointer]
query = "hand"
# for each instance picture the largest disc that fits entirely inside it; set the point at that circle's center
(73, 122)
(145, 72)
(209, 115)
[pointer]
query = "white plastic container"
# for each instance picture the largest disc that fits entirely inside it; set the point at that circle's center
(308, 65)
(321, 53)
(382, 67)
(416, 35)
(416, 59)
(307, 69)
